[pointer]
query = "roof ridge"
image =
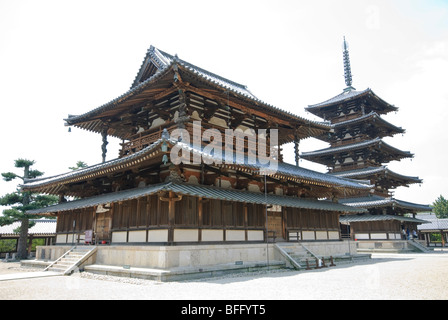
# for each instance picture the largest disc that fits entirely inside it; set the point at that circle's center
(201, 69)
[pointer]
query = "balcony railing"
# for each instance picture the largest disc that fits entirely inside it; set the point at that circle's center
(144, 139)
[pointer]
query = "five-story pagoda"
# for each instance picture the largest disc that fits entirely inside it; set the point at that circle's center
(358, 151)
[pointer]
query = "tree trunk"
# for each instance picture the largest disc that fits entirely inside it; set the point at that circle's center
(22, 249)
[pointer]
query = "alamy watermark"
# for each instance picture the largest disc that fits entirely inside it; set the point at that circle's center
(211, 146)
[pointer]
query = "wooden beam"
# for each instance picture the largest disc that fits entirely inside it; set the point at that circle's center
(214, 95)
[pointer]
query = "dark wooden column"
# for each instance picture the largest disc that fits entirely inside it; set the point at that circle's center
(172, 199)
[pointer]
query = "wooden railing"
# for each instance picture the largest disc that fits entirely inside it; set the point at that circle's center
(142, 140)
(146, 138)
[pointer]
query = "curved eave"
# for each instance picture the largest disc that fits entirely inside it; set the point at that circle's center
(382, 170)
(92, 121)
(305, 124)
(380, 144)
(385, 128)
(381, 202)
(378, 120)
(370, 218)
(349, 96)
(208, 192)
(52, 185)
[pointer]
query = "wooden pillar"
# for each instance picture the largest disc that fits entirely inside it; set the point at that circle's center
(284, 224)
(94, 225)
(148, 216)
(172, 199)
(171, 216)
(245, 221)
(443, 238)
(200, 219)
(137, 218)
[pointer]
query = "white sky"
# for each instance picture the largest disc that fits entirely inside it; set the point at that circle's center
(69, 57)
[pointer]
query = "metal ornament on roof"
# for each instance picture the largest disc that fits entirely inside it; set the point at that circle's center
(347, 68)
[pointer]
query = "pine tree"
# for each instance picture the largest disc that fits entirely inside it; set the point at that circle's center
(20, 202)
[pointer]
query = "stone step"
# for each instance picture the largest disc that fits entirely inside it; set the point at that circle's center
(70, 257)
(55, 269)
(81, 249)
(63, 263)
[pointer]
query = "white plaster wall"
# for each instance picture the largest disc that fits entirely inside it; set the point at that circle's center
(186, 235)
(137, 236)
(212, 235)
(235, 235)
(158, 235)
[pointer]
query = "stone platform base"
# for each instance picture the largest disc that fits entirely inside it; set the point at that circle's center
(383, 246)
(186, 273)
(171, 263)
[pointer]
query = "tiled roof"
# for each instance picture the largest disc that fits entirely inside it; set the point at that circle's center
(380, 217)
(371, 115)
(347, 96)
(164, 60)
(433, 223)
(168, 62)
(374, 201)
(354, 174)
(101, 168)
(357, 146)
(284, 170)
(198, 190)
(41, 227)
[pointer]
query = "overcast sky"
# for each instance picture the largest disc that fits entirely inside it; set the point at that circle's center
(69, 57)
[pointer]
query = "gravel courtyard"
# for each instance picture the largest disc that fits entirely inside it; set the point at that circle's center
(385, 276)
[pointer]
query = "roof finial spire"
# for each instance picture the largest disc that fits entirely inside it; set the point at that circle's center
(347, 68)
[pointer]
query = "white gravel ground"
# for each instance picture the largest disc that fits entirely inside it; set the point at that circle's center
(385, 276)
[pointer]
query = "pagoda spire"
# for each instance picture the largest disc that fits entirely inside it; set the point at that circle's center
(347, 68)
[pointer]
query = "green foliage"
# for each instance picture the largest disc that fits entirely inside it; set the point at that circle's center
(79, 165)
(9, 176)
(435, 237)
(18, 208)
(19, 201)
(11, 199)
(8, 245)
(37, 242)
(12, 214)
(23, 163)
(5, 220)
(34, 174)
(440, 207)
(41, 200)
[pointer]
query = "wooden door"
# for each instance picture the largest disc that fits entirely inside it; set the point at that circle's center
(275, 223)
(103, 226)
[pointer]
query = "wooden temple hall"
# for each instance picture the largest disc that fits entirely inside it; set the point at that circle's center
(144, 197)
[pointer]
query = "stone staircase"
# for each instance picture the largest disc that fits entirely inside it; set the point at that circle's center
(71, 260)
(419, 247)
(299, 257)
